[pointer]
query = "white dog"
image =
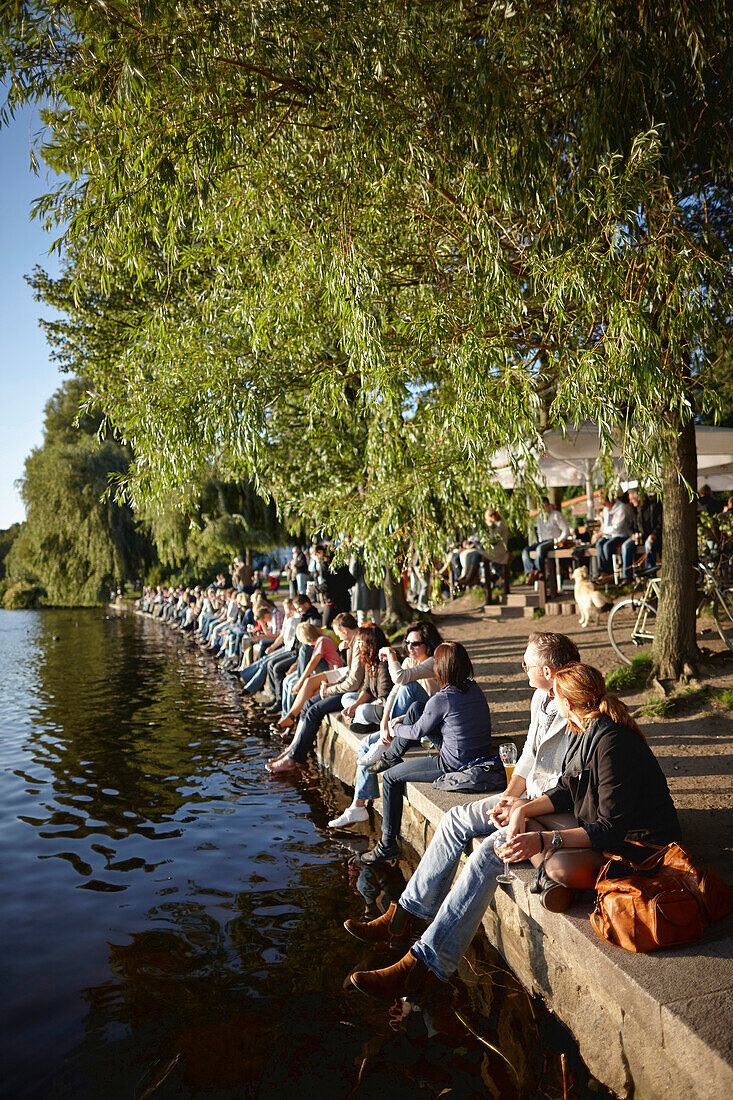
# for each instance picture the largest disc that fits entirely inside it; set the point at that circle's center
(587, 596)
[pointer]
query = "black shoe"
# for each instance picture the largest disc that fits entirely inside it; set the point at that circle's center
(383, 764)
(554, 897)
(364, 727)
(379, 854)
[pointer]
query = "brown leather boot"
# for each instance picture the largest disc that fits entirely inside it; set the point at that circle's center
(407, 977)
(396, 927)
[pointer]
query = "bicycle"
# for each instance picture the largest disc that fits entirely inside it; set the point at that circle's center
(632, 621)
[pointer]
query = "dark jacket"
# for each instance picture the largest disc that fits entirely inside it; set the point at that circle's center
(612, 783)
(463, 720)
(378, 682)
(335, 586)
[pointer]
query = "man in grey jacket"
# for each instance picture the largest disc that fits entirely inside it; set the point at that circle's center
(449, 913)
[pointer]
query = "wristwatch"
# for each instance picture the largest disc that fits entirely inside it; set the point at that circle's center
(556, 843)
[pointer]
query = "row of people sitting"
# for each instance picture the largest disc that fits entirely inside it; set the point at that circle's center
(586, 785)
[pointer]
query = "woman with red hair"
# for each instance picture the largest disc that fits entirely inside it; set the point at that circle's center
(611, 784)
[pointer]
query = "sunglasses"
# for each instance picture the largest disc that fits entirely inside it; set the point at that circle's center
(414, 645)
(527, 667)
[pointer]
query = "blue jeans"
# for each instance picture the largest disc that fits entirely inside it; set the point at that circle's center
(313, 712)
(304, 655)
(540, 551)
(628, 556)
(366, 785)
(422, 769)
(254, 678)
(410, 701)
(606, 548)
(455, 914)
(277, 671)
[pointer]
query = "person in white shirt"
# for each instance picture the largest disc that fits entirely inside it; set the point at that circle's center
(620, 526)
(551, 525)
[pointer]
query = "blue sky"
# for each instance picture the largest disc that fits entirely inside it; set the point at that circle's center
(28, 375)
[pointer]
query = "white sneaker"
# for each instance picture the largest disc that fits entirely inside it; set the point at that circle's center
(350, 816)
(376, 752)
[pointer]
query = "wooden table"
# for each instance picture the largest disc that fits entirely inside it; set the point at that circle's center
(549, 584)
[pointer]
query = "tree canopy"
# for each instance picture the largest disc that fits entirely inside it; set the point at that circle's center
(348, 249)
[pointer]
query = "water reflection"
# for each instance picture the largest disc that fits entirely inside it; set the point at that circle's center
(172, 915)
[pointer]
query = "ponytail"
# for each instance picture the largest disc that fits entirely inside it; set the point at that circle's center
(585, 690)
(618, 712)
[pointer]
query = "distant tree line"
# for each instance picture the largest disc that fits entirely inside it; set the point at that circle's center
(79, 541)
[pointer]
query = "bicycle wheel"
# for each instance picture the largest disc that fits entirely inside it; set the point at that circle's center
(723, 614)
(630, 629)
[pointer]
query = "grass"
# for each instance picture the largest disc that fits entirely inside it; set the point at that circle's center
(635, 675)
(671, 704)
(477, 594)
(722, 696)
(659, 708)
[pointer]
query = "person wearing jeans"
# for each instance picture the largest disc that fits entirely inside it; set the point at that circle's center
(460, 713)
(444, 915)
(551, 525)
(328, 701)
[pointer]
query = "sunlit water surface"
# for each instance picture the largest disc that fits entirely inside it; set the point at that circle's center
(171, 916)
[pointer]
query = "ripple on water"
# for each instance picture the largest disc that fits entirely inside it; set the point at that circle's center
(168, 910)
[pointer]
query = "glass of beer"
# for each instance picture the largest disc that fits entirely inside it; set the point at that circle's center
(508, 756)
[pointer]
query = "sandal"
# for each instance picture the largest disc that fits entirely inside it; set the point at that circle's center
(285, 723)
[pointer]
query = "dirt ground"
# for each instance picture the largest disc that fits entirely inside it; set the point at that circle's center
(693, 744)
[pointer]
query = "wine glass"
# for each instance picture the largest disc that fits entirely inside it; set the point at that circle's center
(507, 876)
(508, 756)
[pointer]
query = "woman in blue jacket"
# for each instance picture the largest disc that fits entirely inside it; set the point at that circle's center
(458, 719)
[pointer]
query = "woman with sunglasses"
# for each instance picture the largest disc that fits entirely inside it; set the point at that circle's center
(413, 682)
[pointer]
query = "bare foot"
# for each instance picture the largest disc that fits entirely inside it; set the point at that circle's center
(281, 766)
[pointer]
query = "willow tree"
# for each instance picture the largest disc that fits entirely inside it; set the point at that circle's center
(76, 542)
(410, 218)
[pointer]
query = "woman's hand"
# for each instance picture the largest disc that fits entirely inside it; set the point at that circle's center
(385, 652)
(520, 847)
(322, 690)
(349, 712)
(393, 723)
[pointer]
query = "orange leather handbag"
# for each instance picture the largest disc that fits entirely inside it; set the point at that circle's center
(665, 901)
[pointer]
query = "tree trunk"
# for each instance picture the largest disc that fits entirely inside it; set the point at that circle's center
(675, 652)
(398, 609)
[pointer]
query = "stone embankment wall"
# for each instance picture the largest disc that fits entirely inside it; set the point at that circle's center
(655, 1027)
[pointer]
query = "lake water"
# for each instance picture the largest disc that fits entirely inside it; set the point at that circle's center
(171, 916)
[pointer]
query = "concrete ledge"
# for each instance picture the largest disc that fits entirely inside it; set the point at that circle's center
(649, 1026)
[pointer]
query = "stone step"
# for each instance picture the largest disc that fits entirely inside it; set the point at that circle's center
(502, 611)
(656, 1025)
(527, 598)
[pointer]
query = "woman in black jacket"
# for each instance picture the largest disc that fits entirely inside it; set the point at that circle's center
(611, 784)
